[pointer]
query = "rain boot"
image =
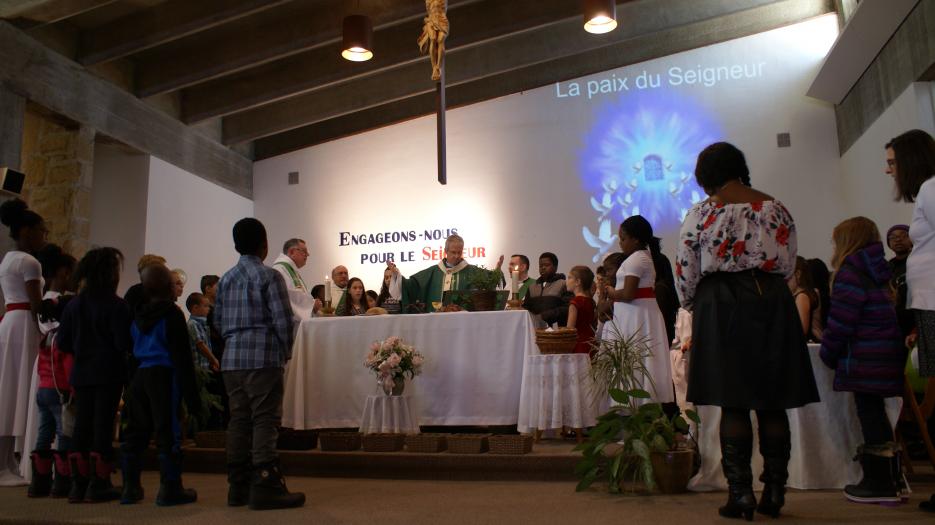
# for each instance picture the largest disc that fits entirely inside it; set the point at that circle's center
(61, 481)
(80, 470)
(171, 491)
(41, 484)
(877, 485)
(100, 488)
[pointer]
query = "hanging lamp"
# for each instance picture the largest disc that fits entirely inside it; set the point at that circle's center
(358, 38)
(600, 16)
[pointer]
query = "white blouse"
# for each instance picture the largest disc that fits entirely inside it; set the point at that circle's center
(717, 237)
(16, 269)
(920, 267)
(638, 264)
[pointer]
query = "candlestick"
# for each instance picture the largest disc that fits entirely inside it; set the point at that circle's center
(327, 289)
(514, 278)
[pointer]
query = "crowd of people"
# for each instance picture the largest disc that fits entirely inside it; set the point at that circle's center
(737, 310)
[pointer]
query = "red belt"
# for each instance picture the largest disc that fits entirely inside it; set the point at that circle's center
(17, 306)
(645, 293)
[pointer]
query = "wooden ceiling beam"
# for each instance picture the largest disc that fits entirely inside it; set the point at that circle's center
(27, 14)
(160, 24)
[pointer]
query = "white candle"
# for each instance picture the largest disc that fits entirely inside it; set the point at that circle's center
(327, 288)
(514, 278)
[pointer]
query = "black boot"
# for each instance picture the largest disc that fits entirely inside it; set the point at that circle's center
(80, 470)
(775, 451)
(238, 480)
(41, 484)
(132, 488)
(268, 490)
(171, 491)
(928, 505)
(100, 488)
(877, 485)
(735, 461)
(61, 482)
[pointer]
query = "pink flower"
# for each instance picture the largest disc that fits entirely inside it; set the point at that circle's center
(385, 366)
(374, 347)
(417, 360)
(394, 360)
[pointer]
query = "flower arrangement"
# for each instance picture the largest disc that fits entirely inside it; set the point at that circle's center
(391, 360)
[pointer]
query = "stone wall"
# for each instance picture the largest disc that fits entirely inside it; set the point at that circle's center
(58, 159)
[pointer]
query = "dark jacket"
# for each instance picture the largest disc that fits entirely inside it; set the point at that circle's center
(862, 341)
(96, 330)
(160, 338)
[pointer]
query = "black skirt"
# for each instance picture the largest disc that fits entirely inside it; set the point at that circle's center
(748, 349)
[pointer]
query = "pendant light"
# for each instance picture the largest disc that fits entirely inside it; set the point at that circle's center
(600, 16)
(358, 38)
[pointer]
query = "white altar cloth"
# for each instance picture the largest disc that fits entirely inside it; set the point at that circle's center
(557, 392)
(390, 414)
(472, 373)
(825, 436)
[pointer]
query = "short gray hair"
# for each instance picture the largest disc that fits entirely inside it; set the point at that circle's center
(453, 238)
(290, 244)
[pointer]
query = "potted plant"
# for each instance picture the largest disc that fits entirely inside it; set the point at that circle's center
(484, 285)
(391, 360)
(634, 441)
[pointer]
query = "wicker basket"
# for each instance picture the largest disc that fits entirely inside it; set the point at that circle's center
(290, 439)
(511, 444)
(468, 443)
(339, 441)
(211, 439)
(383, 442)
(561, 341)
(426, 443)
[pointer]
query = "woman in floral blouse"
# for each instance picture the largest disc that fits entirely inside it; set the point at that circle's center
(749, 353)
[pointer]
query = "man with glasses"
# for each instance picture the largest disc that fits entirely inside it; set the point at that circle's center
(294, 256)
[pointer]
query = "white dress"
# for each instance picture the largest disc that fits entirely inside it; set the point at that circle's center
(643, 316)
(19, 342)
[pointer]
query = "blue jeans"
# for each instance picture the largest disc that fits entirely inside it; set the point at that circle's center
(50, 420)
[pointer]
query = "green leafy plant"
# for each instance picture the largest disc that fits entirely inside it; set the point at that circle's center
(486, 280)
(209, 401)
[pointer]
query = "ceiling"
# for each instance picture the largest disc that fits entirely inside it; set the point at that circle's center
(266, 76)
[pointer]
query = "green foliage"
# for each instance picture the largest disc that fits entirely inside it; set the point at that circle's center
(486, 280)
(209, 401)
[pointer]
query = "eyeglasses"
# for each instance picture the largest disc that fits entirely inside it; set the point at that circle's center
(891, 163)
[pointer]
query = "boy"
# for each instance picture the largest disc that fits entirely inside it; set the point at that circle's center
(198, 306)
(164, 376)
(253, 313)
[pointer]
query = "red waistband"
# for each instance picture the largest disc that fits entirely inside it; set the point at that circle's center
(645, 293)
(17, 306)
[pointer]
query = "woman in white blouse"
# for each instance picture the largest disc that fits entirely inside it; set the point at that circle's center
(910, 160)
(736, 251)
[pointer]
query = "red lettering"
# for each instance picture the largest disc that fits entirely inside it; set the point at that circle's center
(482, 251)
(426, 254)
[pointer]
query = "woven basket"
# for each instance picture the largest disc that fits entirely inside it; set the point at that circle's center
(383, 442)
(511, 444)
(297, 439)
(468, 443)
(426, 443)
(561, 341)
(211, 439)
(339, 441)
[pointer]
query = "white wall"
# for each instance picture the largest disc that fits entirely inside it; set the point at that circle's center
(521, 172)
(189, 221)
(868, 190)
(118, 205)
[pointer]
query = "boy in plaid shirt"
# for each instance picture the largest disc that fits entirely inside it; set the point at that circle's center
(198, 332)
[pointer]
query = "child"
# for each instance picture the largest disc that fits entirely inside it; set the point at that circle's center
(863, 345)
(356, 303)
(198, 306)
(54, 392)
(581, 310)
(95, 329)
(371, 299)
(165, 375)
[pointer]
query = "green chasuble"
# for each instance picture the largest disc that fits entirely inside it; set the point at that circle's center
(524, 287)
(426, 286)
(339, 308)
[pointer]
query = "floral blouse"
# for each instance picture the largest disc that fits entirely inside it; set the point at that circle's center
(719, 237)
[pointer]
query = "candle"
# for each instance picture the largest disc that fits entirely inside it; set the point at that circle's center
(327, 289)
(514, 280)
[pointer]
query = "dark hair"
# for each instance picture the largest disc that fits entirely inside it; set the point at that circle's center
(610, 265)
(719, 164)
(99, 272)
(583, 274)
(53, 259)
(318, 292)
(193, 300)
(347, 297)
(16, 215)
(803, 277)
(525, 260)
(915, 162)
(157, 283)
(249, 236)
(820, 278)
(291, 243)
(208, 280)
(373, 295)
(639, 228)
(552, 257)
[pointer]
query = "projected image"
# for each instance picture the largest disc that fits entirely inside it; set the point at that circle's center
(639, 158)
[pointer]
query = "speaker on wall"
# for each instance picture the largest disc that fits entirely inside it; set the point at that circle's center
(12, 180)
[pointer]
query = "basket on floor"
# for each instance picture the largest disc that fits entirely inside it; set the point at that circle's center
(211, 439)
(383, 442)
(561, 341)
(468, 443)
(339, 441)
(511, 444)
(426, 443)
(290, 439)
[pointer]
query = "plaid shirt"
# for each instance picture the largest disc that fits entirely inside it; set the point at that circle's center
(253, 314)
(198, 333)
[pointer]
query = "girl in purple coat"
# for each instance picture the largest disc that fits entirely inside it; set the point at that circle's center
(863, 345)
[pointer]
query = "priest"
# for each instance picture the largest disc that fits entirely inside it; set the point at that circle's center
(428, 286)
(520, 263)
(339, 279)
(293, 257)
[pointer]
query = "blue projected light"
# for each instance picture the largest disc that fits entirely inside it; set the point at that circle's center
(639, 158)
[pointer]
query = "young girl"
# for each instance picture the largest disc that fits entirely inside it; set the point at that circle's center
(21, 281)
(55, 392)
(581, 310)
(807, 301)
(635, 307)
(95, 328)
(863, 345)
(356, 303)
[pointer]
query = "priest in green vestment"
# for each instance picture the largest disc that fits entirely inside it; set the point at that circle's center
(451, 273)
(339, 279)
(520, 263)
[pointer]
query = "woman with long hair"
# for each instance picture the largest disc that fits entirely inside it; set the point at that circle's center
(356, 303)
(807, 301)
(736, 250)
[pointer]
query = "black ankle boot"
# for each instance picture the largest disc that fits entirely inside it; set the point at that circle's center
(877, 484)
(61, 482)
(132, 488)
(171, 491)
(268, 490)
(238, 479)
(775, 451)
(735, 461)
(41, 484)
(80, 470)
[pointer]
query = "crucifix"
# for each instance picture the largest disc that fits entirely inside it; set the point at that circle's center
(432, 40)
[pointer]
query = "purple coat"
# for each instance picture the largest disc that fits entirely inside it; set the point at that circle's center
(862, 341)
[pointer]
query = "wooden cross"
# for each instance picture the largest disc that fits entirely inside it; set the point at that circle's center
(440, 131)
(432, 41)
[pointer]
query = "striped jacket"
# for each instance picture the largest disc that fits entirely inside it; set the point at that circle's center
(861, 341)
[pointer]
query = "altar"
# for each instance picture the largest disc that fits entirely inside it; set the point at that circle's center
(472, 374)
